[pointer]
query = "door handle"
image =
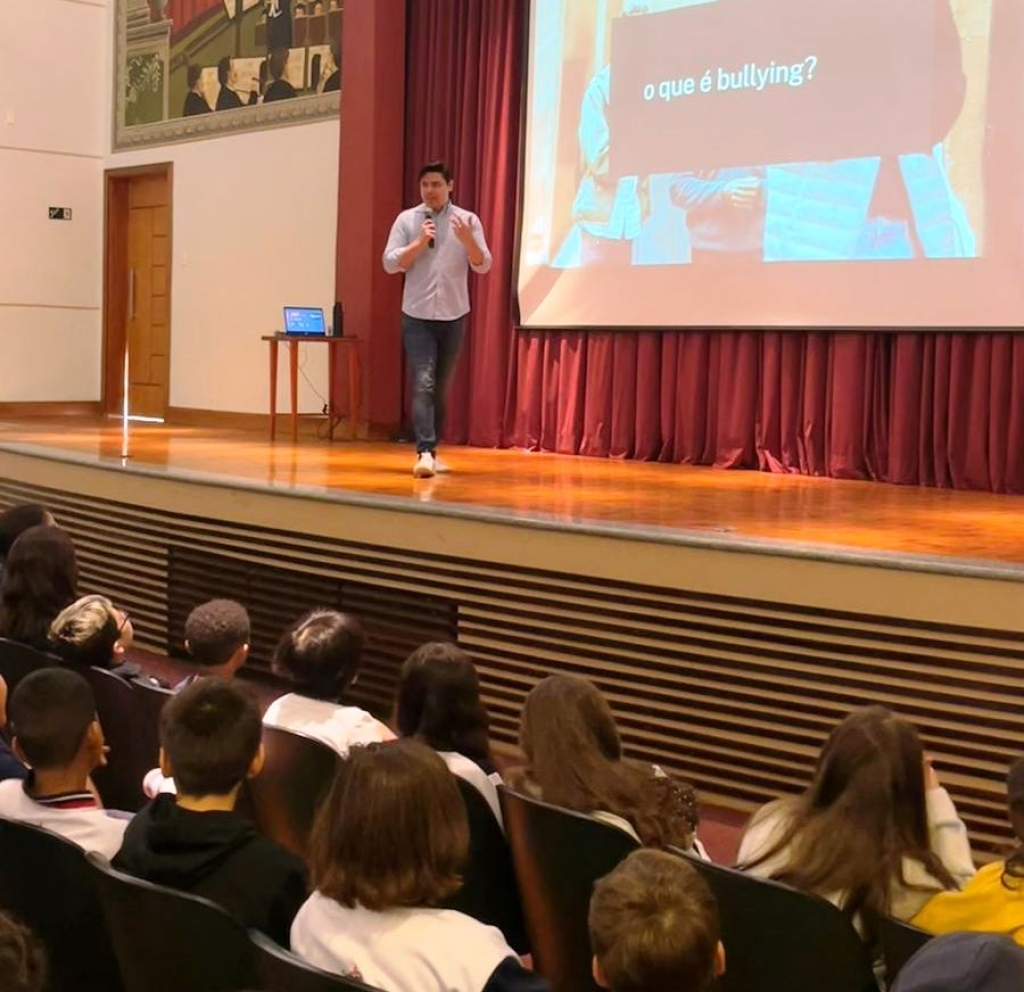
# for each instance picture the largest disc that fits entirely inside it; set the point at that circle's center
(131, 294)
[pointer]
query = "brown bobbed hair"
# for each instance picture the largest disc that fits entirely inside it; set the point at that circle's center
(392, 831)
(654, 925)
(863, 814)
(574, 759)
(438, 702)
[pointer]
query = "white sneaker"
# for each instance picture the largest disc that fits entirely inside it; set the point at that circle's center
(440, 467)
(425, 466)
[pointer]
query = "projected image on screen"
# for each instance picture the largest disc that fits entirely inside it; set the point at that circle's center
(759, 163)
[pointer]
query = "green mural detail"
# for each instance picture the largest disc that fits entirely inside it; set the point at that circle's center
(144, 90)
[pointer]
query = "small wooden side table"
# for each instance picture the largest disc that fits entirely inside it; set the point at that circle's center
(348, 345)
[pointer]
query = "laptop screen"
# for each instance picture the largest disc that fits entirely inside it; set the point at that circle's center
(304, 320)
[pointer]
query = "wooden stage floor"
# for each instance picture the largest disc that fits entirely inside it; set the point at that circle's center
(671, 501)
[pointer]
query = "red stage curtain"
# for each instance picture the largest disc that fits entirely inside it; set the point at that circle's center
(929, 409)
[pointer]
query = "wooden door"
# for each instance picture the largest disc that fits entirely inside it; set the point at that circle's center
(137, 303)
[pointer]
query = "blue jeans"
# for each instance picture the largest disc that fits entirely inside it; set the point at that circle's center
(433, 348)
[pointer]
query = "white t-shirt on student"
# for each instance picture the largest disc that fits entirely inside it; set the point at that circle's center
(401, 950)
(75, 817)
(337, 726)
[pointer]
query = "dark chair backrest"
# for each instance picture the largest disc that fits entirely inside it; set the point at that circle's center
(277, 970)
(130, 715)
(489, 891)
(778, 939)
(900, 942)
(46, 882)
(558, 856)
(168, 941)
(285, 797)
(18, 660)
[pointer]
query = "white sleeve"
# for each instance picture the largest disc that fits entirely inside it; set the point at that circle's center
(948, 835)
(398, 241)
(478, 233)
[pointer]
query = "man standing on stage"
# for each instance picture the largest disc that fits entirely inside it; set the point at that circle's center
(434, 244)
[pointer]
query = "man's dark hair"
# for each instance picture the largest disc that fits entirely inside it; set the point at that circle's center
(322, 652)
(40, 576)
(278, 63)
(18, 519)
(215, 631)
(438, 167)
(224, 70)
(195, 73)
(49, 713)
(210, 733)
(22, 957)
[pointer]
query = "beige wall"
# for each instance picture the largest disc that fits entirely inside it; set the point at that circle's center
(253, 230)
(53, 123)
(254, 227)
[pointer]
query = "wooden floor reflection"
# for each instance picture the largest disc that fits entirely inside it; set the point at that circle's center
(859, 515)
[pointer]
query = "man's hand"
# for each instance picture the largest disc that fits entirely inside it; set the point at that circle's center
(428, 231)
(743, 194)
(464, 233)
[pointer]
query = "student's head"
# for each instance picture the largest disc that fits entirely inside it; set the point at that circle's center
(566, 716)
(195, 74)
(225, 73)
(54, 724)
(217, 636)
(438, 701)
(210, 738)
(318, 7)
(964, 962)
(322, 653)
(299, 10)
(574, 759)
(22, 958)
(392, 831)
(863, 815)
(91, 632)
(40, 577)
(436, 185)
(18, 519)
(278, 63)
(654, 926)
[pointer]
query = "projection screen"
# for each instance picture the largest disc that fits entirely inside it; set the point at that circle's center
(773, 164)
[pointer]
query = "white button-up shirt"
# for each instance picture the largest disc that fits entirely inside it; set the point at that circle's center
(436, 286)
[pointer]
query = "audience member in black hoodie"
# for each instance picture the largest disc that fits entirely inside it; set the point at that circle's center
(195, 841)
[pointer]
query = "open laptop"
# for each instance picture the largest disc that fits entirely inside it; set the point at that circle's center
(304, 321)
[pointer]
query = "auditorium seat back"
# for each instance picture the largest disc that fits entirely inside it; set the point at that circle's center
(46, 882)
(285, 797)
(900, 942)
(130, 715)
(778, 939)
(169, 941)
(279, 971)
(489, 891)
(558, 856)
(18, 660)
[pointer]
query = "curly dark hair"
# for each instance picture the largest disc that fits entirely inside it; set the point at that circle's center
(215, 631)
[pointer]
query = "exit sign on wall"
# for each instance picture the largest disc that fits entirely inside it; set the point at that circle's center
(60, 213)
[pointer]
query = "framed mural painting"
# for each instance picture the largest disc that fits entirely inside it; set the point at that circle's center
(188, 69)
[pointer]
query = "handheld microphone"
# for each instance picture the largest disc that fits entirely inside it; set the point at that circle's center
(430, 216)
